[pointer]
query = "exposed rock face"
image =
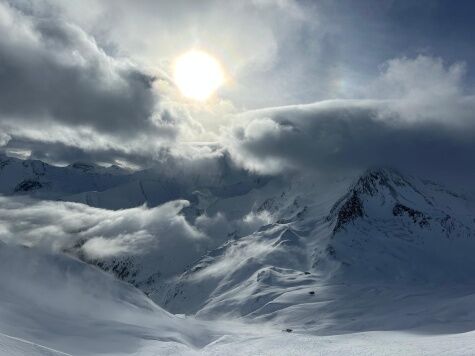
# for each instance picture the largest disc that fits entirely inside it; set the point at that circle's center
(416, 216)
(350, 210)
(28, 185)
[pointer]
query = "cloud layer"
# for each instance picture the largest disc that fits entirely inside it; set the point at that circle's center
(423, 122)
(62, 226)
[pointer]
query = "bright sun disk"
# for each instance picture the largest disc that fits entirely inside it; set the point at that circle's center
(198, 75)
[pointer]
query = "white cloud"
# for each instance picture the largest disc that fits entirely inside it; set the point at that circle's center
(421, 76)
(253, 39)
(4, 139)
(424, 88)
(220, 227)
(62, 226)
(161, 236)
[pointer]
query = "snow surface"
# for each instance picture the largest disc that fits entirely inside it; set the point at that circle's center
(63, 304)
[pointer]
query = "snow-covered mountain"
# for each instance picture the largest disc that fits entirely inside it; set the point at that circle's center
(381, 227)
(380, 239)
(394, 228)
(117, 188)
(381, 251)
(40, 179)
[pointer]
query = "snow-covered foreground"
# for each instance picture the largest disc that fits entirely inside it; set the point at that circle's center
(367, 343)
(65, 305)
(54, 305)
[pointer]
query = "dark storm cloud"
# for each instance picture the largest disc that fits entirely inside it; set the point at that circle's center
(52, 70)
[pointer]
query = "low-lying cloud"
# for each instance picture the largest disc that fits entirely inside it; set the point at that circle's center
(220, 226)
(163, 238)
(62, 226)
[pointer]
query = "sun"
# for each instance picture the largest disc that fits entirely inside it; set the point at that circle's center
(198, 75)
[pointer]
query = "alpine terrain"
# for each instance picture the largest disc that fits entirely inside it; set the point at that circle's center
(382, 260)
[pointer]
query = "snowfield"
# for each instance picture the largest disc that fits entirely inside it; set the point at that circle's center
(63, 304)
(231, 263)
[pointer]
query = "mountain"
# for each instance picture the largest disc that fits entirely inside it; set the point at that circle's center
(222, 213)
(372, 261)
(117, 188)
(382, 239)
(392, 228)
(36, 178)
(381, 228)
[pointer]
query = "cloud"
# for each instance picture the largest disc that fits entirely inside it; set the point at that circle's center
(423, 124)
(262, 44)
(240, 33)
(52, 69)
(100, 85)
(420, 76)
(4, 139)
(66, 144)
(220, 227)
(424, 88)
(55, 75)
(165, 241)
(60, 226)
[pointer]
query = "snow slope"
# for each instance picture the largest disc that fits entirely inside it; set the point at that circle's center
(53, 303)
(357, 344)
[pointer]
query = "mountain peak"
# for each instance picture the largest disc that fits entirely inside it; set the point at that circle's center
(381, 185)
(371, 181)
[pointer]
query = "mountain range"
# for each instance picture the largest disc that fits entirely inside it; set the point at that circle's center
(272, 258)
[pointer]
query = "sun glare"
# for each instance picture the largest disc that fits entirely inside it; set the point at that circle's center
(198, 75)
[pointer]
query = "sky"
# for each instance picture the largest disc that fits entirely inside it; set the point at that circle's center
(316, 86)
